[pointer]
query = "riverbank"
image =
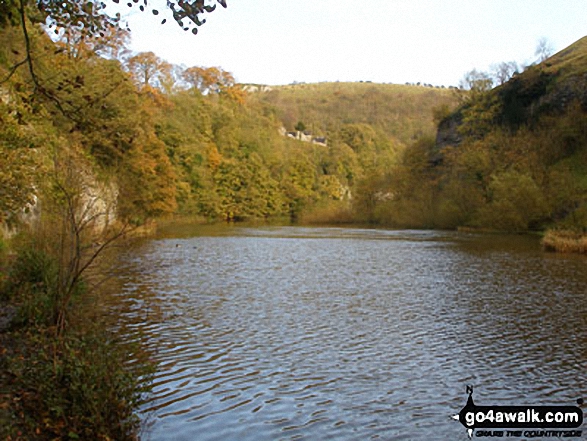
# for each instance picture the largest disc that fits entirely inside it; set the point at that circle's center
(562, 241)
(71, 383)
(72, 387)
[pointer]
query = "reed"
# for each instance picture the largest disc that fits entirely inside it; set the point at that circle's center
(565, 241)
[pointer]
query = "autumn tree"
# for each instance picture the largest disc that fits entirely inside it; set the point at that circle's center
(208, 80)
(112, 44)
(83, 19)
(93, 19)
(19, 162)
(89, 17)
(149, 70)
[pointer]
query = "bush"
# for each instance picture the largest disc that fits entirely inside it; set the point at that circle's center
(517, 203)
(31, 284)
(3, 268)
(68, 384)
(76, 387)
(576, 220)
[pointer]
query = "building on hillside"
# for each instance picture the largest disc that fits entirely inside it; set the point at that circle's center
(305, 136)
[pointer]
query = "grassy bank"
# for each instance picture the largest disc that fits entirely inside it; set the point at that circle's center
(564, 241)
(73, 383)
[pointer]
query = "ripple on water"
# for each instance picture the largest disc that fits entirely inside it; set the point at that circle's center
(313, 333)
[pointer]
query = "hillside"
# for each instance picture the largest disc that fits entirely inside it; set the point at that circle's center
(400, 111)
(512, 158)
(548, 88)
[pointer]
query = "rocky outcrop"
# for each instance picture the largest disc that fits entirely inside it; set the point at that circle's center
(252, 88)
(569, 91)
(447, 133)
(97, 205)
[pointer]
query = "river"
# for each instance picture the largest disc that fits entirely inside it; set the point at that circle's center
(286, 333)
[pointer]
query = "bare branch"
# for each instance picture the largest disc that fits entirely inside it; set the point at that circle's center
(13, 70)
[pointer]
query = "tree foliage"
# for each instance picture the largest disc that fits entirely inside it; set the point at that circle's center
(208, 80)
(90, 102)
(91, 18)
(190, 140)
(19, 164)
(543, 49)
(495, 178)
(149, 70)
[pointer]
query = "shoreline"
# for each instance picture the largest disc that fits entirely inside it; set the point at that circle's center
(565, 241)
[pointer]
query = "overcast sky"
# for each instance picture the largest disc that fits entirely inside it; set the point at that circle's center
(386, 41)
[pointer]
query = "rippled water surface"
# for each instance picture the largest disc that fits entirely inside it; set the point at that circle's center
(349, 334)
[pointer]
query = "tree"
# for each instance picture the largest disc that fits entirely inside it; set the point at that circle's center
(79, 223)
(148, 69)
(543, 49)
(91, 17)
(18, 163)
(186, 13)
(112, 44)
(480, 108)
(517, 203)
(86, 19)
(503, 71)
(208, 80)
(300, 126)
(476, 81)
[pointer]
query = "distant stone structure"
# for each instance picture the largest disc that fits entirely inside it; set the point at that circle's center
(252, 88)
(305, 136)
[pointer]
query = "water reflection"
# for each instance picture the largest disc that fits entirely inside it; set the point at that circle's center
(312, 333)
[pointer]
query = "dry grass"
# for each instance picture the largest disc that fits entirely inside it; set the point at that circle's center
(562, 241)
(329, 214)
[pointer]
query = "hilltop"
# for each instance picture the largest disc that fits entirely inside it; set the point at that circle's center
(403, 112)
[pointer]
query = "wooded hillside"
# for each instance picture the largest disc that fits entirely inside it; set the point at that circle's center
(511, 158)
(402, 112)
(191, 141)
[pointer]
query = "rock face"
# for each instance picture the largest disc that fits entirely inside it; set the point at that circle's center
(447, 133)
(570, 90)
(97, 205)
(98, 202)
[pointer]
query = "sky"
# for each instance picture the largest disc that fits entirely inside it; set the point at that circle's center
(385, 41)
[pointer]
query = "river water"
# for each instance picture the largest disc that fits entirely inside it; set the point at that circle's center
(286, 333)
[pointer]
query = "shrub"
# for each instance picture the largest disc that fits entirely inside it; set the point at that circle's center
(3, 268)
(76, 387)
(516, 203)
(31, 284)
